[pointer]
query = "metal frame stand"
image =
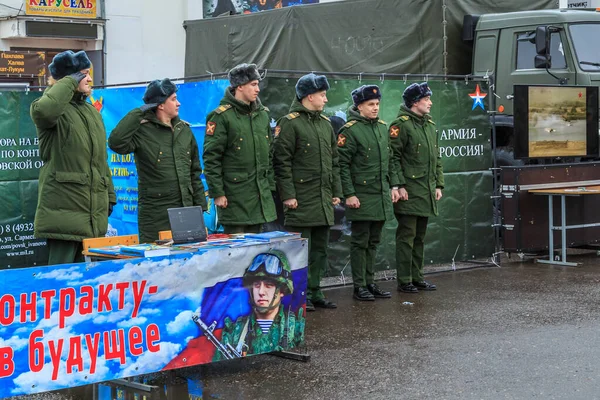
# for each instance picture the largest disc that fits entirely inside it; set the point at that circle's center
(563, 229)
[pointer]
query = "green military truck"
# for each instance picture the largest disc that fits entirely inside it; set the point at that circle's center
(429, 37)
(505, 45)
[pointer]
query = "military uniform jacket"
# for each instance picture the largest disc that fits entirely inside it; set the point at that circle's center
(305, 158)
(168, 167)
(418, 163)
(366, 167)
(287, 332)
(75, 185)
(237, 161)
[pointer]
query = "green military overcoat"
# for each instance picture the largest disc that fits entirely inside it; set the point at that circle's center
(75, 185)
(305, 159)
(418, 162)
(366, 167)
(238, 163)
(168, 167)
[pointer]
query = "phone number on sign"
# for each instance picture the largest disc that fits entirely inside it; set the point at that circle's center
(8, 228)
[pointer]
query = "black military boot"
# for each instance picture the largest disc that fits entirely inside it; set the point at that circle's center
(362, 294)
(309, 305)
(377, 292)
(424, 285)
(408, 288)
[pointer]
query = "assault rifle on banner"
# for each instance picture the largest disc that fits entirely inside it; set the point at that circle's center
(228, 351)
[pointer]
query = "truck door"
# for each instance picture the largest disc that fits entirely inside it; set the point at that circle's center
(516, 53)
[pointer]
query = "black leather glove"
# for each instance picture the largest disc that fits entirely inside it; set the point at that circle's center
(147, 107)
(110, 208)
(78, 76)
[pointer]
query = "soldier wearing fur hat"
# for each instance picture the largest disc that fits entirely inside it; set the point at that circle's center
(307, 173)
(237, 156)
(370, 185)
(419, 167)
(75, 195)
(166, 157)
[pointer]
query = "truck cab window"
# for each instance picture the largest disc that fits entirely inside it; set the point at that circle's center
(526, 51)
(586, 48)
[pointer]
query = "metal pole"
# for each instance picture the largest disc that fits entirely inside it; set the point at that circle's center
(551, 227)
(563, 226)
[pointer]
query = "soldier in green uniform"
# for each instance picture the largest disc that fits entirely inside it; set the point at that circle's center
(367, 173)
(419, 167)
(269, 327)
(166, 157)
(305, 158)
(76, 194)
(237, 158)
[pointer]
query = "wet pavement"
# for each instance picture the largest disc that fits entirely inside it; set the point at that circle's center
(522, 331)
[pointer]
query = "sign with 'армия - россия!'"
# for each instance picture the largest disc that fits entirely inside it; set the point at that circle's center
(62, 8)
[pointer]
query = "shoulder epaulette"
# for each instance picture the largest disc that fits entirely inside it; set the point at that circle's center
(430, 120)
(293, 115)
(144, 121)
(325, 117)
(185, 122)
(404, 118)
(223, 108)
(382, 121)
(349, 124)
(267, 109)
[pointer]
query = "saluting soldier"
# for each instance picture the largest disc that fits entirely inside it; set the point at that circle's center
(75, 194)
(237, 158)
(369, 184)
(307, 174)
(419, 167)
(166, 157)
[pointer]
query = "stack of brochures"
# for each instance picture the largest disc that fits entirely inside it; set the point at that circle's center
(218, 242)
(136, 250)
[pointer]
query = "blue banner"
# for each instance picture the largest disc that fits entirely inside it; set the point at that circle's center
(197, 100)
(75, 324)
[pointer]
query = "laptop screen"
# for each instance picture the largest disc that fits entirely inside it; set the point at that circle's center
(187, 224)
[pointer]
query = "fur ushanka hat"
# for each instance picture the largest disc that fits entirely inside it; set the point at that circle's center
(415, 92)
(67, 63)
(365, 93)
(242, 74)
(159, 91)
(310, 84)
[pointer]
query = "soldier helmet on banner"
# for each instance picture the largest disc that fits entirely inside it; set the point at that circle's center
(273, 266)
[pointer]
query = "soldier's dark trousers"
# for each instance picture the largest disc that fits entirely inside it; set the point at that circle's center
(318, 239)
(409, 248)
(242, 228)
(64, 251)
(365, 238)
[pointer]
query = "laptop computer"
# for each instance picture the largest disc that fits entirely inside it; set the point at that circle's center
(187, 224)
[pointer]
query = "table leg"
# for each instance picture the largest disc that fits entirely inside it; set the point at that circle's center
(563, 229)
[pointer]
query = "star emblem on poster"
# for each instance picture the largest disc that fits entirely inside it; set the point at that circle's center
(478, 97)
